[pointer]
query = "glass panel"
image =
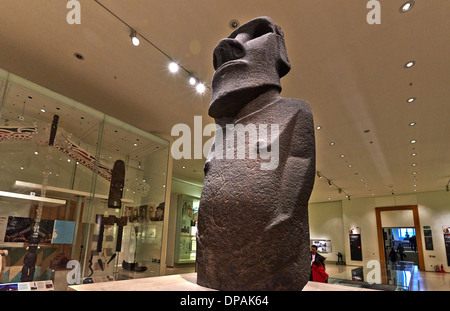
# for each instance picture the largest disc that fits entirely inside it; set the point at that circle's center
(398, 278)
(185, 240)
(56, 160)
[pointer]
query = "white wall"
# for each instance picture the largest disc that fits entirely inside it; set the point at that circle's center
(434, 211)
(331, 220)
(325, 222)
(361, 213)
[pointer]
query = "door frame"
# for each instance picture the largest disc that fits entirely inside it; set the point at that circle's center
(415, 212)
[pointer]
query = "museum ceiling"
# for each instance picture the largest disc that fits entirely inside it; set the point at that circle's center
(351, 72)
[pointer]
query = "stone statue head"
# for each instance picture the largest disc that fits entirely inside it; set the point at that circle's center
(251, 60)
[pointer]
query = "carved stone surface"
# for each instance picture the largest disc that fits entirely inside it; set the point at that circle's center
(253, 231)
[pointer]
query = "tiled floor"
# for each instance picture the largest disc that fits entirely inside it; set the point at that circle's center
(422, 281)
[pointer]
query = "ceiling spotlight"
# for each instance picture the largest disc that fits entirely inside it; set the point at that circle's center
(134, 38)
(410, 64)
(407, 6)
(173, 67)
(192, 81)
(200, 88)
(329, 183)
(410, 100)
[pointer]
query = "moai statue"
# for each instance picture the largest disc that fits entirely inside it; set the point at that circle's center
(253, 231)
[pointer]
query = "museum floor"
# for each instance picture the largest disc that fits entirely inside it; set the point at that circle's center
(422, 280)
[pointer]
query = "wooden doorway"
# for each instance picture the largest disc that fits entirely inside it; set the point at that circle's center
(415, 214)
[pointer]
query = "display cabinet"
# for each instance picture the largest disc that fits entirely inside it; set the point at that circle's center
(186, 229)
(56, 160)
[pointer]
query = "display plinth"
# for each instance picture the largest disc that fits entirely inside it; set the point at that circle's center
(184, 282)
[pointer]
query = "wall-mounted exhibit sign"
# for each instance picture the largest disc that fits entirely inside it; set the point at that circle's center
(446, 230)
(428, 237)
(355, 243)
(323, 246)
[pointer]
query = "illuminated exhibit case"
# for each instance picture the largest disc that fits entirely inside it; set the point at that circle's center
(57, 158)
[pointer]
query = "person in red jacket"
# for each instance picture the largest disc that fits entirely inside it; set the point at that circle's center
(318, 270)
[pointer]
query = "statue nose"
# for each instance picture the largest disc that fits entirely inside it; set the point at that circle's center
(227, 50)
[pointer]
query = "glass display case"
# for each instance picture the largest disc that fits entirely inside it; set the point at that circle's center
(57, 161)
(186, 229)
(397, 277)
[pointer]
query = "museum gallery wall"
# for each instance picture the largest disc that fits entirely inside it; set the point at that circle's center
(332, 220)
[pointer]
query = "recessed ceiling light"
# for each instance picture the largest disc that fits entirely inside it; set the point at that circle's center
(414, 164)
(410, 64)
(413, 141)
(410, 100)
(412, 123)
(319, 127)
(407, 6)
(332, 144)
(184, 166)
(42, 110)
(342, 155)
(192, 81)
(414, 173)
(414, 154)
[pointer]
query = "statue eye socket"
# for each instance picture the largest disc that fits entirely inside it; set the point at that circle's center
(253, 30)
(262, 29)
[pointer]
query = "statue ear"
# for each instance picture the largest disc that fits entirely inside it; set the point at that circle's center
(283, 64)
